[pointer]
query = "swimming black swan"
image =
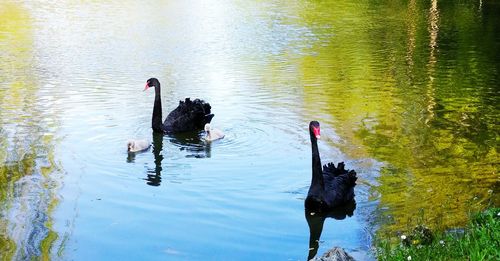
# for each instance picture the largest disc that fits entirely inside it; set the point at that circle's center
(188, 116)
(331, 186)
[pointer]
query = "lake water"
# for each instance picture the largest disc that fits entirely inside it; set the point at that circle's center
(406, 92)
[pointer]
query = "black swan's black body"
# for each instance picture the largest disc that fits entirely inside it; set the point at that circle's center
(188, 116)
(330, 186)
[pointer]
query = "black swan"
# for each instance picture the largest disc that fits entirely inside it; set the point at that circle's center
(331, 186)
(188, 116)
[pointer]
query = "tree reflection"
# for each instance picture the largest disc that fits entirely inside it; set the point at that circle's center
(317, 220)
(414, 91)
(29, 174)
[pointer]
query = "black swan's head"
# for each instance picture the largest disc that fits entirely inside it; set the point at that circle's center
(152, 82)
(314, 130)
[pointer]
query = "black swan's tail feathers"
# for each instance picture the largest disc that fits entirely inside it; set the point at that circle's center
(205, 106)
(341, 166)
(208, 118)
(331, 170)
(352, 177)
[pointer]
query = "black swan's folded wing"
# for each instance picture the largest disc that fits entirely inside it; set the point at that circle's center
(188, 116)
(339, 184)
(330, 169)
(347, 176)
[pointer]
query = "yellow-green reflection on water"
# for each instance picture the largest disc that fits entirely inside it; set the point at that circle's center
(27, 166)
(401, 91)
(408, 85)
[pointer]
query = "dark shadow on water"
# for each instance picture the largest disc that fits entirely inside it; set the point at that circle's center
(316, 221)
(192, 144)
(153, 175)
(130, 157)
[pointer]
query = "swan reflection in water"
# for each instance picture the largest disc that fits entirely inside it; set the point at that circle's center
(192, 144)
(188, 142)
(316, 221)
(153, 175)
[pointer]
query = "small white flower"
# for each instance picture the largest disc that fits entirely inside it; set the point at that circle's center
(441, 242)
(408, 258)
(403, 237)
(498, 215)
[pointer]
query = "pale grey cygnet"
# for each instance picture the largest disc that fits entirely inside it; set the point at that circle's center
(212, 133)
(138, 145)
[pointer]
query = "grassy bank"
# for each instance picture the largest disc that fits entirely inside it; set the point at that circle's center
(480, 240)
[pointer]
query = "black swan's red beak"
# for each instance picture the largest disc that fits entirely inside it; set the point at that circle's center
(316, 131)
(146, 86)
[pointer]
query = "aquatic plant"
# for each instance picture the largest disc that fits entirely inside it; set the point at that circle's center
(479, 240)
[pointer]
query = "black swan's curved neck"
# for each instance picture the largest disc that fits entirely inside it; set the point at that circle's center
(157, 117)
(317, 182)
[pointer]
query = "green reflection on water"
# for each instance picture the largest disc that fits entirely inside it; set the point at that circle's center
(27, 188)
(413, 85)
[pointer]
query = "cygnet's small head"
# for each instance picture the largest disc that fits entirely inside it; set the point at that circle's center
(207, 127)
(130, 145)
